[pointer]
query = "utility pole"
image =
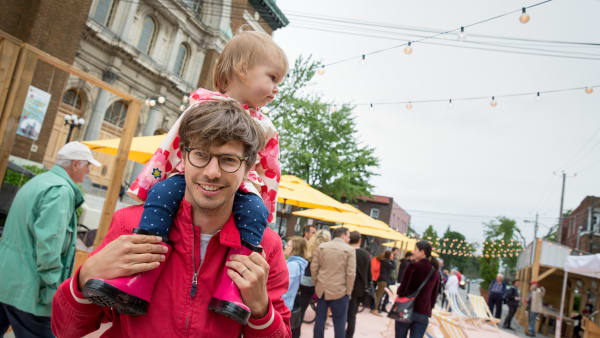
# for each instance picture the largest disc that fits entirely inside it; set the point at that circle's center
(562, 199)
(535, 227)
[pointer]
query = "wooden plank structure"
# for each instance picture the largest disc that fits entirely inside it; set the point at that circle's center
(18, 62)
(543, 261)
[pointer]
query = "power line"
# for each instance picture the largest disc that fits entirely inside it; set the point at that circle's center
(434, 35)
(474, 98)
(461, 45)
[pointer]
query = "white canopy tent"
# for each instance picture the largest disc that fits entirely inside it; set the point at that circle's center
(589, 266)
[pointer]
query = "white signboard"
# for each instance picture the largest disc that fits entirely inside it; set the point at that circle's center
(33, 114)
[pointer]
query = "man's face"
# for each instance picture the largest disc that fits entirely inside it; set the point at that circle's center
(78, 170)
(311, 231)
(517, 283)
(499, 279)
(211, 189)
(346, 237)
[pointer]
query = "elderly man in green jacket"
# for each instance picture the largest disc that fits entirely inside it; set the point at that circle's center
(37, 247)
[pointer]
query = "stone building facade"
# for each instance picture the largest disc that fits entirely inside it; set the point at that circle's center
(159, 51)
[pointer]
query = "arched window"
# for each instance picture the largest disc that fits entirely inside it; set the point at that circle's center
(72, 97)
(148, 35)
(104, 11)
(115, 114)
(181, 60)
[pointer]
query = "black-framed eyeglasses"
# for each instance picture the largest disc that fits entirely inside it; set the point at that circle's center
(229, 163)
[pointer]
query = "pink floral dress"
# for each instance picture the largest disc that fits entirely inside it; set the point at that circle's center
(263, 181)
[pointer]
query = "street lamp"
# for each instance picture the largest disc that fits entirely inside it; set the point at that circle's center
(73, 121)
(535, 227)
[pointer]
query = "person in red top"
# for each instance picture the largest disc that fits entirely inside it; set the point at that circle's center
(414, 275)
(202, 234)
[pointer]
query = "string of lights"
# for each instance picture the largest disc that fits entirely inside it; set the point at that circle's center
(493, 98)
(408, 46)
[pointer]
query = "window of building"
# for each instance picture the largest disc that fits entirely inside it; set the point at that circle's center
(181, 59)
(375, 213)
(72, 98)
(115, 114)
(104, 11)
(195, 5)
(148, 35)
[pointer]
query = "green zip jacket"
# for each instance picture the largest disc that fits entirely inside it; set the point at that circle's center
(37, 247)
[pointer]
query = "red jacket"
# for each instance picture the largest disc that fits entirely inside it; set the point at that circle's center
(375, 268)
(172, 312)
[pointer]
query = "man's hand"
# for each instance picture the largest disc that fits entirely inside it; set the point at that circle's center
(125, 256)
(250, 274)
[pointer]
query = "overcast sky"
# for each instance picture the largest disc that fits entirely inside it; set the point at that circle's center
(469, 159)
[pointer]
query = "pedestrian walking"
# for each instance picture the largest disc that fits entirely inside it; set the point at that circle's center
(513, 298)
(333, 269)
(307, 287)
(496, 293)
(361, 282)
(414, 276)
(534, 306)
(37, 247)
(295, 251)
(385, 273)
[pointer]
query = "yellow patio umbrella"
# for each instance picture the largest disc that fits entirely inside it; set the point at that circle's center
(142, 147)
(295, 191)
(356, 217)
(368, 231)
(410, 244)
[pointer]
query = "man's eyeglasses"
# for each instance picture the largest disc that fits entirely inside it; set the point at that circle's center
(229, 163)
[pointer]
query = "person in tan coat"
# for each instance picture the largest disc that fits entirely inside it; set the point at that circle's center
(333, 269)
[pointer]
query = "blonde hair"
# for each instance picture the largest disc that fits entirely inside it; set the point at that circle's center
(299, 246)
(321, 236)
(244, 51)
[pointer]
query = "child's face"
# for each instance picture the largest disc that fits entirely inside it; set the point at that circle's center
(259, 86)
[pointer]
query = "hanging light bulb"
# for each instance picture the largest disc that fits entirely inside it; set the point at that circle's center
(493, 103)
(524, 18)
(408, 49)
(538, 97)
(185, 99)
(161, 99)
(265, 110)
(409, 106)
(371, 105)
(364, 59)
(182, 107)
(321, 70)
(152, 103)
(332, 108)
(462, 35)
(589, 90)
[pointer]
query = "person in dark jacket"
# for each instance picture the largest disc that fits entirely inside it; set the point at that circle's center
(496, 293)
(414, 275)
(513, 298)
(403, 264)
(385, 272)
(362, 279)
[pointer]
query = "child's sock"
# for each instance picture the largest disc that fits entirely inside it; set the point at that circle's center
(162, 204)
(250, 215)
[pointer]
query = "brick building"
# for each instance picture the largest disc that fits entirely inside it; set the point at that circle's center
(159, 51)
(385, 209)
(581, 229)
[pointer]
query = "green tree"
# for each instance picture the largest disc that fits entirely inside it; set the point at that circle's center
(501, 232)
(318, 143)
(431, 235)
(455, 241)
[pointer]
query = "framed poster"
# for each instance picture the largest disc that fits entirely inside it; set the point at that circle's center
(34, 111)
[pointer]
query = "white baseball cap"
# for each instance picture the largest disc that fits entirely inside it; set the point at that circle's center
(77, 151)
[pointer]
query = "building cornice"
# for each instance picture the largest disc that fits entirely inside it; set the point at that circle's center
(270, 12)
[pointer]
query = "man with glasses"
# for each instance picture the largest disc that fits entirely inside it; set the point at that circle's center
(219, 143)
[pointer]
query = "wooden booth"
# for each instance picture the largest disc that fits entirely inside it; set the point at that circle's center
(543, 261)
